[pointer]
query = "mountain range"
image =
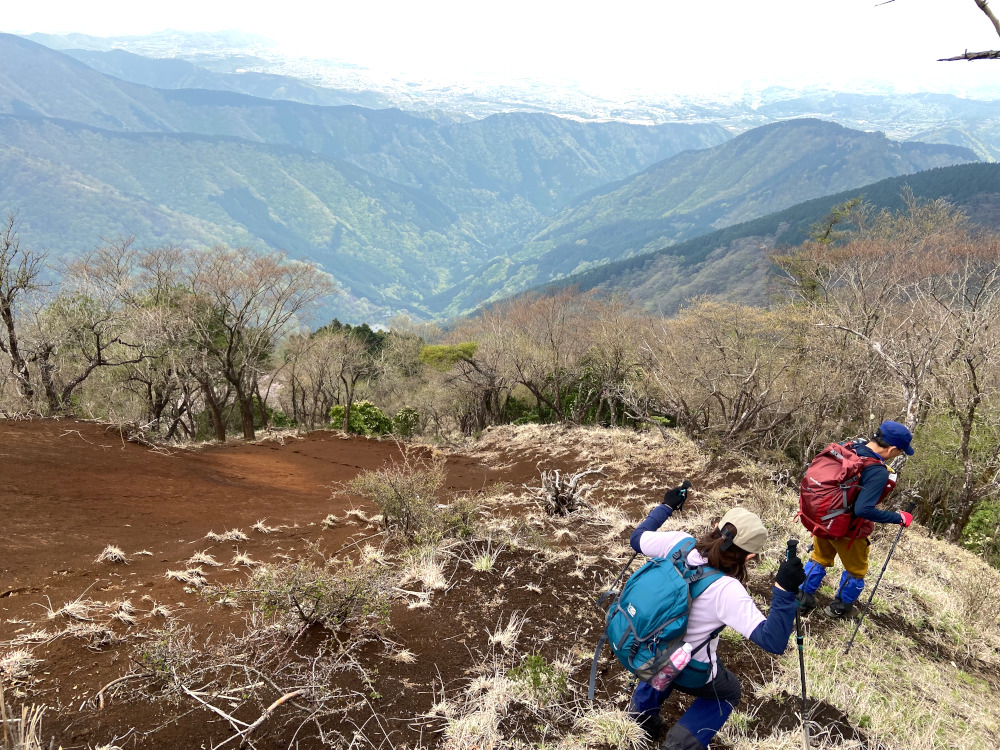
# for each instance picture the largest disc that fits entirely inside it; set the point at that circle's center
(733, 263)
(425, 215)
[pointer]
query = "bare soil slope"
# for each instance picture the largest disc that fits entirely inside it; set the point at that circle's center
(69, 489)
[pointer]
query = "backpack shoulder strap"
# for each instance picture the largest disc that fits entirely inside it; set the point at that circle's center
(593, 665)
(698, 577)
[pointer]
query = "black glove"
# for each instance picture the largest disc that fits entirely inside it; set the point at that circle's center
(674, 499)
(790, 574)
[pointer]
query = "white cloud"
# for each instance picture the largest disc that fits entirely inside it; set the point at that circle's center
(663, 45)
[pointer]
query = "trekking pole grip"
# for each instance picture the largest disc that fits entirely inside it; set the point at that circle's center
(793, 548)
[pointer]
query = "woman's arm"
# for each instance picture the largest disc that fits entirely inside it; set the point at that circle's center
(653, 521)
(772, 635)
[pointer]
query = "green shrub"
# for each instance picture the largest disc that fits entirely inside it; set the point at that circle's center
(366, 419)
(373, 419)
(406, 493)
(539, 681)
(329, 594)
(406, 422)
(981, 532)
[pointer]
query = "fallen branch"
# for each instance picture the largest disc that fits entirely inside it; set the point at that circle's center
(219, 711)
(99, 695)
(245, 733)
(270, 709)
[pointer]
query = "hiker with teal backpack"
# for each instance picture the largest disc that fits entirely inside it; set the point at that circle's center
(714, 571)
(838, 499)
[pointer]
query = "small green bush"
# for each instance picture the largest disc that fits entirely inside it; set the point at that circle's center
(540, 681)
(406, 422)
(980, 533)
(406, 494)
(326, 594)
(366, 419)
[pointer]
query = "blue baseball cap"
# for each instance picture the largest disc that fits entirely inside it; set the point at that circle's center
(897, 435)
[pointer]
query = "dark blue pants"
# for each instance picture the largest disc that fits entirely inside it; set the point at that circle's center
(713, 703)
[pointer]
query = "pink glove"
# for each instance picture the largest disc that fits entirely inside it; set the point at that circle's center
(907, 519)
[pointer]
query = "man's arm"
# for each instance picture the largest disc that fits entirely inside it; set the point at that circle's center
(873, 479)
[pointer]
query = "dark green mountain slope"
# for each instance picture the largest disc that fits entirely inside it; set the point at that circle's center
(732, 262)
(385, 242)
(755, 174)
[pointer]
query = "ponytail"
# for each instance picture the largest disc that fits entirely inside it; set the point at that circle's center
(722, 553)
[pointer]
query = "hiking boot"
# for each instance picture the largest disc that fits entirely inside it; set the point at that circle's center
(679, 738)
(838, 610)
(807, 603)
(651, 724)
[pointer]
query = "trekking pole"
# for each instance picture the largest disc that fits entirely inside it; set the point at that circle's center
(864, 611)
(799, 638)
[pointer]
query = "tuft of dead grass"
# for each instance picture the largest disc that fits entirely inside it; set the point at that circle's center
(112, 554)
(232, 535)
(506, 636)
(190, 576)
(424, 565)
(17, 664)
(24, 732)
(203, 558)
(611, 727)
(243, 559)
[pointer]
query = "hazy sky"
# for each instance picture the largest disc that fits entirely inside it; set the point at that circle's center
(608, 46)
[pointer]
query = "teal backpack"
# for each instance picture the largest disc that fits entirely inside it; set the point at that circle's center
(647, 620)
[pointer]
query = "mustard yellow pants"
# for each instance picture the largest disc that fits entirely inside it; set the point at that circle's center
(853, 554)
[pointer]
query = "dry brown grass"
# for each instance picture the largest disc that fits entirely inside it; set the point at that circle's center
(21, 730)
(642, 459)
(112, 554)
(232, 535)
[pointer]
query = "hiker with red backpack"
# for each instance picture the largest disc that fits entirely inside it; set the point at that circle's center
(838, 502)
(719, 559)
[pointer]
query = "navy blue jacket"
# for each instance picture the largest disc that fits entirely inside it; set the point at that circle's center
(873, 479)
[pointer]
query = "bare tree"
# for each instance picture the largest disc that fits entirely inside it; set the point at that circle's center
(966, 378)
(242, 303)
(544, 339)
(20, 274)
(324, 369)
(983, 5)
(736, 376)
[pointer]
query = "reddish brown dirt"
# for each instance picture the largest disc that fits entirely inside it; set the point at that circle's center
(71, 488)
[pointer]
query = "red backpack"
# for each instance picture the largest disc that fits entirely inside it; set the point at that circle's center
(831, 484)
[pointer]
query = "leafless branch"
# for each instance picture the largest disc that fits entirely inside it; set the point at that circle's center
(989, 54)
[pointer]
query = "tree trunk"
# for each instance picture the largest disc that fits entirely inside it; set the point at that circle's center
(18, 367)
(260, 405)
(45, 370)
(245, 403)
(215, 410)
